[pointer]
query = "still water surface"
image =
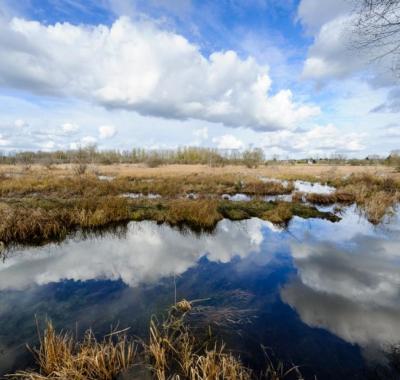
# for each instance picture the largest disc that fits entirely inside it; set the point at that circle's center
(322, 295)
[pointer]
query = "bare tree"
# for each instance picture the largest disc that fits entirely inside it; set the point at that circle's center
(377, 29)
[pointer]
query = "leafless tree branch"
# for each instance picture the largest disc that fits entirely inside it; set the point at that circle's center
(377, 28)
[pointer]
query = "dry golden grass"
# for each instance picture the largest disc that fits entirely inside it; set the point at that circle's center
(20, 224)
(380, 204)
(375, 195)
(298, 171)
(279, 215)
(27, 222)
(49, 184)
(176, 180)
(37, 220)
(216, 364)
(277, 171)
(321, 199)
(39, 205)
(173, 352)
(202, 213)
(59, 356)
(97, 212)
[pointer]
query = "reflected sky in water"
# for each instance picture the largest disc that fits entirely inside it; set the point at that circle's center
(348, 280)
(146, 254)
(322, 295)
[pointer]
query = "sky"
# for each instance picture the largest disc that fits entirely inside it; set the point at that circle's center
(280, 75)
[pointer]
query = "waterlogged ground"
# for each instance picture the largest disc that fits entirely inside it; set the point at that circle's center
(322, 295)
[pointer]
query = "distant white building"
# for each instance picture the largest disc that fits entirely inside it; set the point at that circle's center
(373, 157)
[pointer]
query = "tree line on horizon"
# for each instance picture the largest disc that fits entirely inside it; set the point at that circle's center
(186, 155)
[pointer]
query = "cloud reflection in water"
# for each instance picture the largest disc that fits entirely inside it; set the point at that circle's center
(146, 254)
(348, 280)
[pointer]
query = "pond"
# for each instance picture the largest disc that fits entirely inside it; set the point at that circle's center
(324, 296)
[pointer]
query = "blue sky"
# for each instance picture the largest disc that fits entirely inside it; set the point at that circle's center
(279, 75)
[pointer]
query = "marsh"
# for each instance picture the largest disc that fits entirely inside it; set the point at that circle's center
(199, 189)
(321, 294)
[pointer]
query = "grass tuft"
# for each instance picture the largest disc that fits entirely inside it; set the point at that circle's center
(281, 214)
(59, 356)
(36, 222)
(201, 213)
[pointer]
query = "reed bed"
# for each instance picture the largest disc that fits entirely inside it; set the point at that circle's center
(173, 351)
(40, 206)
(47, 184)
(37, 221)
(279, 215)
(60, 356)
(202, 213)
(375, 195)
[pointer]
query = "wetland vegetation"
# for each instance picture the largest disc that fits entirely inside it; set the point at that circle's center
(290, 289)
(172, 351)
(281, 239)
(41, 204)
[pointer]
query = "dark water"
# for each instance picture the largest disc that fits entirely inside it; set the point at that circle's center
(322, 295)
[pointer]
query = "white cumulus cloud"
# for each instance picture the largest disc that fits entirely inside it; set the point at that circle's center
(107, 131)
(333, 54)
(3, 141)
(201, 133)
(315, 13)
(48, 145)
(19, 123)
(88, 140)
(137, 66)
(228, 142)
(318, 140)
(70, 128)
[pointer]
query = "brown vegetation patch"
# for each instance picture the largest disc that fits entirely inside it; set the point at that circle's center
(89, 184)
(59, 356)
(321, 199)
(41, 205)
(35, 222)
(279, 215)
(199, 213)
(376, 196)
(172, 352)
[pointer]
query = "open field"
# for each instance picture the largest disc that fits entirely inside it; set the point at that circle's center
(40, 204)
(277, 171)
(297, 171)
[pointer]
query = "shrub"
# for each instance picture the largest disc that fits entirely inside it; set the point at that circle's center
(154, 162)
(253, 158)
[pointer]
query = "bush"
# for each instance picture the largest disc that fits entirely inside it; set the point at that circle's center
(253, 158)
(154, 162)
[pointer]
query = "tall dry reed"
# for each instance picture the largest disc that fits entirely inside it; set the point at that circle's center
(172, 352)
(60, 357)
